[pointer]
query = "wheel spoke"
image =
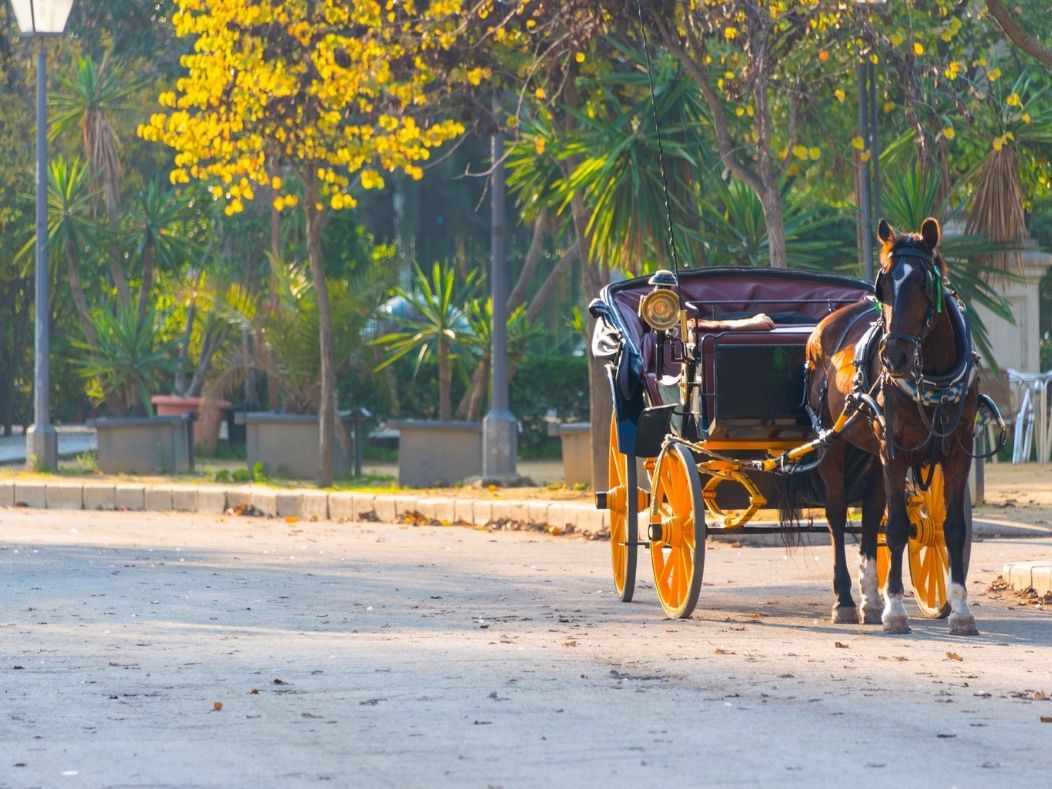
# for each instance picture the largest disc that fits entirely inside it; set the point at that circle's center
(666, 570)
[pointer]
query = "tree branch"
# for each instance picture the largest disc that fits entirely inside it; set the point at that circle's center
(1016, 34)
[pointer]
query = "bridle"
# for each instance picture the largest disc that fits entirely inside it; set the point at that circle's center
(944, 394)
(933, 291)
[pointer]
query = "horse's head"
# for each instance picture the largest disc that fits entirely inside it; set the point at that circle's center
(909, 288)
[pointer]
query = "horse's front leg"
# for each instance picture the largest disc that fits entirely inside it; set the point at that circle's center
(872, 512)
(962, 621)
(894, 617)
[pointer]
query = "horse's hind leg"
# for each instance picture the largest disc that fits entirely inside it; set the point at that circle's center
(872, 511)
(832, 471)
(962, 621)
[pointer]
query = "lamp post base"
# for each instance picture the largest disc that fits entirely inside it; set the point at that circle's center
(41, 448)
(499, 446)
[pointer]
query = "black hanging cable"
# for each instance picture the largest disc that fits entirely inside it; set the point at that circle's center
(661, 151)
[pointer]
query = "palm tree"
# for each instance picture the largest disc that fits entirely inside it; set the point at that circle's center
(436, 326)
(131, 359)
(86, 101)
(996, 209)
(71, 232)
(158, 228)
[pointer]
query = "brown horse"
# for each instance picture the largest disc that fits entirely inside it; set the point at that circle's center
(920, 372)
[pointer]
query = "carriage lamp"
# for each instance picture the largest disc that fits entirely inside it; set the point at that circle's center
(660, 307)
(39, 19)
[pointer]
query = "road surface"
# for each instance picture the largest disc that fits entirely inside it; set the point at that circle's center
(170, 650)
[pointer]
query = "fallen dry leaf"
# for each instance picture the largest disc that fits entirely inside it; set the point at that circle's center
(1046, 718)
(254, 692)
(838, 645)
(953, 656)
(217, 706)
(292, 519)
(721, 651)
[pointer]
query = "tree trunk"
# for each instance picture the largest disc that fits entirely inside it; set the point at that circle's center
(772, 214)
(80, 300)
(147, 279)
(470, 407)
(599, 404)
(327, 406)
(445, 379)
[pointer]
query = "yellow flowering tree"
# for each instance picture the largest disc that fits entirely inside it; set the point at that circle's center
(333, 93)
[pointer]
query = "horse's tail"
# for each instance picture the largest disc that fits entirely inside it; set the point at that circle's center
(793, 490)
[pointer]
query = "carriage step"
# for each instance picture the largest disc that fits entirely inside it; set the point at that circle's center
(637, 543)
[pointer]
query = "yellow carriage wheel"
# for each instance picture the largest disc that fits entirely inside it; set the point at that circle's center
(677, 531)
(623, 503)
(883, 560)
(928, 555)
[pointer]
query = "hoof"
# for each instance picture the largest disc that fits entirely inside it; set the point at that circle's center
(963, 625)
(845, 615)
(871, 616)
(896, 624)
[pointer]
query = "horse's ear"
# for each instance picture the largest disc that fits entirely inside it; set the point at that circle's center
(931, 232)
(885, 232)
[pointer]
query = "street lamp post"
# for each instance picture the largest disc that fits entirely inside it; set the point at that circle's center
(499, 437)
(868, 159)
(39, 19)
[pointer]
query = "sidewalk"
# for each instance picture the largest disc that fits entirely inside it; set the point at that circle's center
(72, 441)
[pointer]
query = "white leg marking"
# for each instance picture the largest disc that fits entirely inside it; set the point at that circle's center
(867, 582)
(894, 617)
(962, 622)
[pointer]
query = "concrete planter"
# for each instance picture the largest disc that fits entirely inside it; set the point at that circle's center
(437, 453)
(210, 414)
(576, 438)
(154, 445)
(287, 444)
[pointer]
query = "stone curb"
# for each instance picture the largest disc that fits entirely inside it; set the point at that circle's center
(1029, 575)
(344, 506)
(558, 517)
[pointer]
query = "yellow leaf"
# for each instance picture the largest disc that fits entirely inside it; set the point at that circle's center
(814, 153)
(857, 143)
(949, 133)
(839, 93)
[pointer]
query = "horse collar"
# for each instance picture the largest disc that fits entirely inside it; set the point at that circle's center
(951, 387)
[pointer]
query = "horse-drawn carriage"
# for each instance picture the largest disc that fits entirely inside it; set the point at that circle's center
(727, 415)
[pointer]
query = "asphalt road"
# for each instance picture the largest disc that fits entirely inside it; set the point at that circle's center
(177, 651)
